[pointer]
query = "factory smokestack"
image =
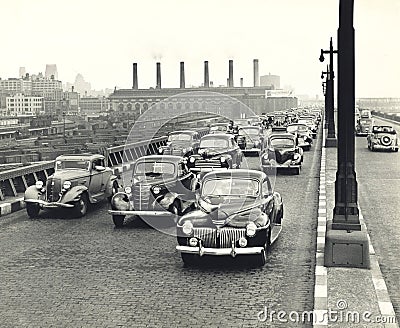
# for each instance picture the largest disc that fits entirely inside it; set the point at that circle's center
(182, 74)
(230, 79)
(206, 76)
(135, 78)
(158, 86)
(256, 73)
(241, 82)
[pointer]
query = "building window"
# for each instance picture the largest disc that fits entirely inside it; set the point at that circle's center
(129, 106)
(121, 107)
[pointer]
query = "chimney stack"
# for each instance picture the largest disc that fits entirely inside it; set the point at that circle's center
(230, 79)
(135, 78)
(182, 71)
(206, 76)
(158, 86)
(256, 73)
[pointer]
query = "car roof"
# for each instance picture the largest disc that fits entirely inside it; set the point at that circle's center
(217, 135)
(183, 131)
(79, 157)
(282, 135)
(237, 173)
(163, 158)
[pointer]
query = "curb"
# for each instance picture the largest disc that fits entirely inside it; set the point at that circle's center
(13, 206)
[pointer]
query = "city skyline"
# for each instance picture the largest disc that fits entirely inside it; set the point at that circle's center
(285, 36)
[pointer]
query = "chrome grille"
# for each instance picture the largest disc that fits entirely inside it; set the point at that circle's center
(53, 189)
(141, 197)
(207, 235)
(208, 163)
(224, 240)
(227, 235)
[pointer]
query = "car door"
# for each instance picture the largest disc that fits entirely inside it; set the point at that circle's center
(96, 177)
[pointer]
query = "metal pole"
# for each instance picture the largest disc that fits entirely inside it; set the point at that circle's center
(346, 213)
(331, 119)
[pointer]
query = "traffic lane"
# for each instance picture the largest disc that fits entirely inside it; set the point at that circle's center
(84, 271)
(378, 175)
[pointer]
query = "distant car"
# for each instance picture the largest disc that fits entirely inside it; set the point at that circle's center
(237, 123)
(365, 123)
(216, 151)
(302, 131)
(181, 143)
(283, 152)
(221, 128)
(237, 213)
(383, 137)
(162, 186)
(309, 121)
(77, 181)
(251, 139)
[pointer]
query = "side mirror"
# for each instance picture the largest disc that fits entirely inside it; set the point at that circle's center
(99, 168)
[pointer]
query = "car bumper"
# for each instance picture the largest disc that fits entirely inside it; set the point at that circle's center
(141, 213)
(379, 146)
(280, 166)
(219, 251)
(45, 204)
(251, 150)
(207, 169)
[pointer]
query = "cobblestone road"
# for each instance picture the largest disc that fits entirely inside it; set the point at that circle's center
(84, 273)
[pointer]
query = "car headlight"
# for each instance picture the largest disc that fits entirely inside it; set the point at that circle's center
(67, 185)
(187, 228)
(156, 190)
(222, 159)
(120, 202)
(251, 229)
(185, 150)
(296, 156)
(242, 242)
(192, 159)
(128, 190)
(256, 143)
(39, 184)
(265, 157)
(193, 241)
(160, 150)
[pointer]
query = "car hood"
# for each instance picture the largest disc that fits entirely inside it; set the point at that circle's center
(231, 213)
(211, 152)
(179, 144)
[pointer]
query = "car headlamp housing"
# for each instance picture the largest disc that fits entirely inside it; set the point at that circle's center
(187, 228)
(156, 190)
(251, 229)
(39, 184)
(192, 160)
(296, 157)
(222, 159)
(160, 150)
(67, 185)
(128, 190)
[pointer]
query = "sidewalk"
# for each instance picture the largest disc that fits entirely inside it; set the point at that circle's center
(346, 297)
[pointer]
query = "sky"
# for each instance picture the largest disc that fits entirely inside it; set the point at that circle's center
(101, 39)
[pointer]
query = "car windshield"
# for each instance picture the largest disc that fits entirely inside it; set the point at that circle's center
(244, 132)
(365, 114)
(214, 143)
(154, 168)
(231, 187)
(219, 128)
(294, 128)
(179, 137)
(71, 164)
(282, 142)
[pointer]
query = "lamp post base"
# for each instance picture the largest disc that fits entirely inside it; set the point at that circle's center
(330, 142)
(344, 248)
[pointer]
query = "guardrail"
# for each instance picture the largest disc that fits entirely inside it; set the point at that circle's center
(16, 180)
(392, 117)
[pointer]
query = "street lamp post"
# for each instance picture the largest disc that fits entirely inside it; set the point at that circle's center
(331, 138)
(326, 90)
(346, 242)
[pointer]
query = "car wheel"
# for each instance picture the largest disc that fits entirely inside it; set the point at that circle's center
(118, 220)
(114, 190)
(32, 210)
(189, 259)
(81, 206)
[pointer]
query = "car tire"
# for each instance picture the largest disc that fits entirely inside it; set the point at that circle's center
(81, 206)
(189, 259)
(118, 220)
(32, 210)
(261, 259)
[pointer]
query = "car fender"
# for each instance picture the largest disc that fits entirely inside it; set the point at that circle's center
(32, 193)
(73, 194)
(167, 199)
(112, 178)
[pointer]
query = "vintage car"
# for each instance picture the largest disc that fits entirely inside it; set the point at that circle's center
(77, 181)
(383, 137)
(365, 123)
(251, 139)
(311, 123)
(181, 143)
(216, 151)
(282, 153)
(238, 122)
(161, 186)
(237, 213)
(221, 128)
(303, 133)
